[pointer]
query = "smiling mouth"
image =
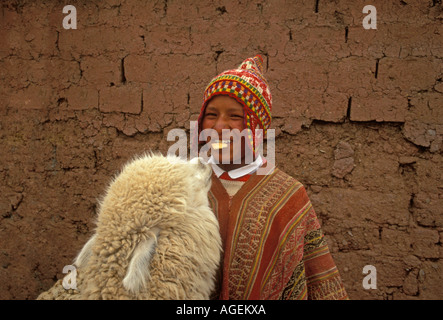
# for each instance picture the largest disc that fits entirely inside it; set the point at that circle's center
(220, 144)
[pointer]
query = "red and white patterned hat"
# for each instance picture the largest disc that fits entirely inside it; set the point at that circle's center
(247, 85)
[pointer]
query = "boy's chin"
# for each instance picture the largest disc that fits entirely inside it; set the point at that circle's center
(226, 160)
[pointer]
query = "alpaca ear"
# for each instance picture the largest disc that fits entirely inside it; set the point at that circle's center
(196, 160)
(83, 257)
(138, 270)
(203, 167)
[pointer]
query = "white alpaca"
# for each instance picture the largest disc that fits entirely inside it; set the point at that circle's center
(156, 237)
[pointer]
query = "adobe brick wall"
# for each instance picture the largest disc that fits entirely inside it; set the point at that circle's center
(358, 116)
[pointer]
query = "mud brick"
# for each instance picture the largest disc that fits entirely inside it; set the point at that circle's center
(100, 71)
(81, 98)
(32, 97)
(124, 99)
(394, 242)
(401, 74)
(425, 243)
(139, 68)
(379, 107)
(351, 204)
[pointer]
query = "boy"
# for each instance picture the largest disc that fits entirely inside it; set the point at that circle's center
(273, 245)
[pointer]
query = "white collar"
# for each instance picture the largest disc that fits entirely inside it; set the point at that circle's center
(237, 173)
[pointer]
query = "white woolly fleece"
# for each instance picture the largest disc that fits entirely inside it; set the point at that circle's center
(156, 236)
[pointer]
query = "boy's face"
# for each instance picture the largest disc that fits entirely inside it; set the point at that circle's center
(224, 112)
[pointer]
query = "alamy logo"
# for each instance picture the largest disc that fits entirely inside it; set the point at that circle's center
(70, 280)
(370, 281)
(370, 21)
(222, 146)
(70, 21)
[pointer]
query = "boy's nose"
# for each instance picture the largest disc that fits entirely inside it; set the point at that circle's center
(221, 124)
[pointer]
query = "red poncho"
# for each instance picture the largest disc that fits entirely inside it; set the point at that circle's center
(273, 245)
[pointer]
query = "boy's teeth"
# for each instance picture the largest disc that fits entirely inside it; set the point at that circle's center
(220, 144)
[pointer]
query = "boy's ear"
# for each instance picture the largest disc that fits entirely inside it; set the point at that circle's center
(138, 270)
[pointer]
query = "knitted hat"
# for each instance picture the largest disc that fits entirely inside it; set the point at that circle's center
(247, 85)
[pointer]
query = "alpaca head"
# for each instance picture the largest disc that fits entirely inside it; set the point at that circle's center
(155, 186)
(180, 183)
(154, 213)
(186, 204)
